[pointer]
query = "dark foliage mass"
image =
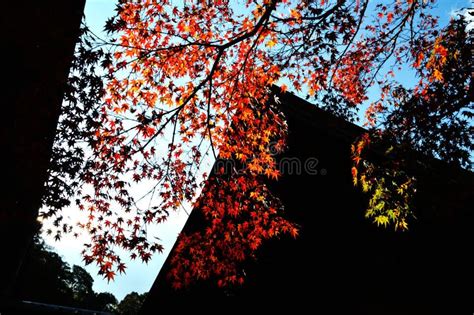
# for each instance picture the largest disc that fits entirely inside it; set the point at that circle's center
(131, 303)
(78, 121)
(439, 121)
(46, 278)
(432, 120)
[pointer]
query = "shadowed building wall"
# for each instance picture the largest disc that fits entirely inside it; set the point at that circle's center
(38, 39)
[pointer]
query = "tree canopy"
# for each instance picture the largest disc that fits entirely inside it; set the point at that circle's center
(45, 277)
(173, 84)
(131, 303)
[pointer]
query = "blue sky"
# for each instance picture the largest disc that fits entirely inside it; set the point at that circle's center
(140, 277)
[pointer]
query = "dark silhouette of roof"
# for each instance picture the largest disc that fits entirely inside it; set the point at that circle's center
(37, 43)
(341, 262)
(29, 307)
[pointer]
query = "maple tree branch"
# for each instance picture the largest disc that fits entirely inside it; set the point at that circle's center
(221, 49)
(256, 28)
(351, 41)
(175, 113)
(311, 18)
(171, 146)
(209, 118)
(178, 109)
(400, 26)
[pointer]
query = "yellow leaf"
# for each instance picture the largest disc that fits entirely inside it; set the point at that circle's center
(272, 42)
(381, 220)
(437, 75)
(295, 14)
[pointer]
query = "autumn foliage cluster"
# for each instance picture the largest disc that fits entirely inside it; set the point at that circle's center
(174, 84)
